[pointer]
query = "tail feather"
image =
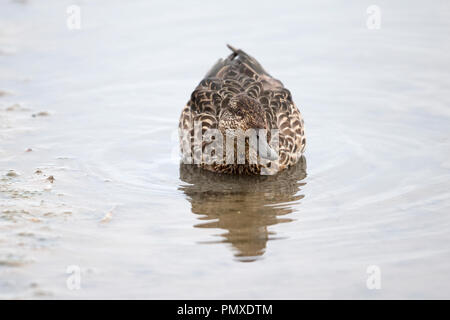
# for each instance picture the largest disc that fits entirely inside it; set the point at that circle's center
(240, 56)
(247, 59)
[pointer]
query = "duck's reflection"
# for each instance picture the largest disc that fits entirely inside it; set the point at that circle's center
(243, 206)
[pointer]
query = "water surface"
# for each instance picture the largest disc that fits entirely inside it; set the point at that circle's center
(97, 109)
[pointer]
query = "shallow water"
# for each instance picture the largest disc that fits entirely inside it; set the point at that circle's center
(373, 188)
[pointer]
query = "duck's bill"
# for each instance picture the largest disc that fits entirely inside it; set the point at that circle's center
(266, 151)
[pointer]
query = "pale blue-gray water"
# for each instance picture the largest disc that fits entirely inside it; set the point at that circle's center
(91, 186)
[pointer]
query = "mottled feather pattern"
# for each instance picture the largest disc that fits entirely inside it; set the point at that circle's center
(242, 74)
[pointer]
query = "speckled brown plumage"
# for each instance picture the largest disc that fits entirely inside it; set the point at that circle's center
(238, 93)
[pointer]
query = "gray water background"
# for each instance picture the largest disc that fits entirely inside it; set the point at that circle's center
(373, 189)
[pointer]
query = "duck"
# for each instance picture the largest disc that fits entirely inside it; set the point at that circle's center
(237, 95)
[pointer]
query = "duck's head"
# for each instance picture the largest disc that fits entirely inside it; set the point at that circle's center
(242, 113)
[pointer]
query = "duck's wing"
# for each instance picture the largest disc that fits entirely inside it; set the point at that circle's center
(239, 72)
(201, 110)
(283, 114)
